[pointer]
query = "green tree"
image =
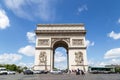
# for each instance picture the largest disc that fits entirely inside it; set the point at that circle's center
(117, 69)
(13, 67)
(24, 68)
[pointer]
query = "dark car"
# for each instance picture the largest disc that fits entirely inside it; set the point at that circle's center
(44, 72)
(27, 72)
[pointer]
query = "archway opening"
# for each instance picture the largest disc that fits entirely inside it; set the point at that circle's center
(60, 56)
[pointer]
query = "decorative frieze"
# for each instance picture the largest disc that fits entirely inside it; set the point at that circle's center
(43, 42)
(62, 34)
(60, 39)
(77, 42)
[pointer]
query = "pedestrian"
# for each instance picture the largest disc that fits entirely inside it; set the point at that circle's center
(69, 71)
(82, 72)
(78, 71)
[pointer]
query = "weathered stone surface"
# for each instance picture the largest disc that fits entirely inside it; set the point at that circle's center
(69, 36)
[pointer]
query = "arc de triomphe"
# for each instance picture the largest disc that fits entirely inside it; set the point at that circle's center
(51, 36)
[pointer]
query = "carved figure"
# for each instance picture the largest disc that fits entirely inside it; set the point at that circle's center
(78, 58)
(43, 57)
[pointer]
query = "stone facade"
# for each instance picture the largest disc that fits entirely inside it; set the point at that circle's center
(69, 36)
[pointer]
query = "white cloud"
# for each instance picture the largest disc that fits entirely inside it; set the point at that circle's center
(104, 62)
(110, 61)
(115, 61)
(119, 21)
(61, 66)
(59, 57)
(111, 57)
(90, 62)
(114, 35)
(88, 43)
(95, 63)
(43, 9)
(31, 37)
(27, 50)
(82, 8)
(22, 64)
(29, 65)
(113, 53)
(98, 63)
(4, 20)
(9, 58)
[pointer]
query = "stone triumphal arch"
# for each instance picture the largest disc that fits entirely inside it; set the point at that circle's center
(69, 36)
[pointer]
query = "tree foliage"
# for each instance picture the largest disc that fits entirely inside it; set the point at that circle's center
(13, 67)
(117, 69)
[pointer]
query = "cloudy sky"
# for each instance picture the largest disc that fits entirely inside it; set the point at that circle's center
(18, 20)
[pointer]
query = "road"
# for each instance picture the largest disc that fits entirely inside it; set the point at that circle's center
(61, 77)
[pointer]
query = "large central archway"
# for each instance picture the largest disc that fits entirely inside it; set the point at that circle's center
(51, 36)
(59, 44)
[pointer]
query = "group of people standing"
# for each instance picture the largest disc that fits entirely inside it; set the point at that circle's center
(78, 72)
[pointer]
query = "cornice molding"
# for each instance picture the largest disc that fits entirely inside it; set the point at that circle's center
(39, 48)
(62, 25)
(42, 65)
(79, 65)
(60, 31)
(77, 47)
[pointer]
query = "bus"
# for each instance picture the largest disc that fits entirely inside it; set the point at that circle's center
(96, 70)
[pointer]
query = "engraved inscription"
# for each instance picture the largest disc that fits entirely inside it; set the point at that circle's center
(44, 42)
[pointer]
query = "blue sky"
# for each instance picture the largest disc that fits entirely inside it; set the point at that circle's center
(18, 20)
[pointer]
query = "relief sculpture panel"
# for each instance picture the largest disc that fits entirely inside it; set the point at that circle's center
(42, 58)
(60, 39)
(78, 58)
(77, 41)
(43, 42)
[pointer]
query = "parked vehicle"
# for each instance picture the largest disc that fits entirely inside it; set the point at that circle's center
(98, 70)
(44, 72)
(11, 72)
(27, 72)
(56, 72)
(37, 71)
(3, 71)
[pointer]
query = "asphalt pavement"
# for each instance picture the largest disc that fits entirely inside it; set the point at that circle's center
(87, 76)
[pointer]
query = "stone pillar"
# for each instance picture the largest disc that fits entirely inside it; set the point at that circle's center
(51, 64)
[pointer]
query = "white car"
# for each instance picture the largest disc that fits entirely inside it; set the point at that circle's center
(3, 71)
(37, 72)
(11, 72)
(56, 72)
